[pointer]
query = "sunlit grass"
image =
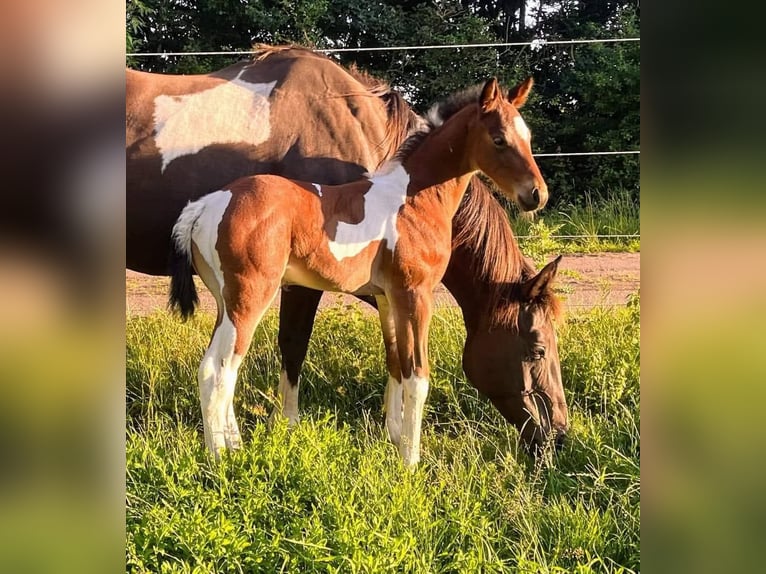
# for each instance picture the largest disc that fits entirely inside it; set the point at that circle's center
(331, 494)
(610, 223)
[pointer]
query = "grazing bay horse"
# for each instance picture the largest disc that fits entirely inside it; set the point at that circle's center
(388, 235)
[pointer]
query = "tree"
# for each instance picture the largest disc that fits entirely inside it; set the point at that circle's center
(590, 98)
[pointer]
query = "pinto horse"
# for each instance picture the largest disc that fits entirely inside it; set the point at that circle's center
(289, 112)
(311, 119)
(388, 235)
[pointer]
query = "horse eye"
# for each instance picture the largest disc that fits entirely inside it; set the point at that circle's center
(499, 141)
(538, 353)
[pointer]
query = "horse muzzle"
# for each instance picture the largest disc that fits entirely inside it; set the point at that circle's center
(534, 199)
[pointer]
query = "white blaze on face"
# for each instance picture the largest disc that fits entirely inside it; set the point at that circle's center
(233, 112)
(382, 201)
(521, 128)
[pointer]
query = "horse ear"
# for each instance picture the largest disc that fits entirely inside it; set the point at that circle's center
(538, 284)
(490, 95)
(518, 95)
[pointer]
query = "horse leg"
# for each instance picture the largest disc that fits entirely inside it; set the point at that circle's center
(412, 311)
(297, 310)
(231, 430)
(392, 398)
(237, 318)
(211, 368)
(217, 376)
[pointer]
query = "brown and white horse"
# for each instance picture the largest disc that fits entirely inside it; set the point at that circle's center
(289, 111)
(388, 235)
(188, 135)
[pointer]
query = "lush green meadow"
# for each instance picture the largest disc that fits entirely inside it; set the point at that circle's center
(331, 494)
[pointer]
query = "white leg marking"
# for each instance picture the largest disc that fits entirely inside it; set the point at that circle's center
(217, 378)
(233, 438)
(233, 112)
(218, 371)
(415, 392)
(393, 407)
(381, 206)
(287, 399)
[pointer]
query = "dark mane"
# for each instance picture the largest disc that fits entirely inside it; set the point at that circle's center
(437, 115)
(444, 110)
(481, 228)
(402, 120)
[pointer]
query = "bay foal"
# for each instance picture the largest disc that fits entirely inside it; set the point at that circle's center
(387, 235)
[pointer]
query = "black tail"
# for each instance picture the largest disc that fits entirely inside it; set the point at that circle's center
(183, 292)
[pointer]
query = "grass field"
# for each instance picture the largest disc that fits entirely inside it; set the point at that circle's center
(332, 496)
(611, 223)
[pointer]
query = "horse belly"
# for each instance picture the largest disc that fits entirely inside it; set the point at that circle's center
(358, 281)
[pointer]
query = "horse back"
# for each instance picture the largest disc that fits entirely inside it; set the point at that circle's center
(292, 113)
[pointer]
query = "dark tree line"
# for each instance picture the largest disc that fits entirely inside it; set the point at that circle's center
(586, 96)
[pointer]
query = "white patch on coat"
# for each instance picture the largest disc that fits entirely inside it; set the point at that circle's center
(318, 188)
(415, 391)
(232, 112)
(382, 202)
(521, 128)
(204, 233)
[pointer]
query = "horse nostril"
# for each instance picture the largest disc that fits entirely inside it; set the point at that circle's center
(536, 195)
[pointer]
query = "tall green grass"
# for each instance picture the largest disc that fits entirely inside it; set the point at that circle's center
(595, 222)
(331, 495)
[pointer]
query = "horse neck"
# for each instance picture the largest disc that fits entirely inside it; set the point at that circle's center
(441, 166)
(472, 292)
(485, 259)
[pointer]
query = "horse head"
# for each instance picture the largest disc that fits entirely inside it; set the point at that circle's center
(502, 146)
(523, 377)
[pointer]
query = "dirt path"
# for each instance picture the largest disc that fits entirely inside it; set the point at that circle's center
(584, 281)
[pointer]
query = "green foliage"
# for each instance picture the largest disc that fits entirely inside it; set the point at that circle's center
(540, 241)
(589, 100)
(137, 14)
(331, 495)
(580, 227)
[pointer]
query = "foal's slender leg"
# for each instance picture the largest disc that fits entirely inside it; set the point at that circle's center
(241, 305)
(217, 376)
(240, 319)
(220, 339)
(412, 314)
(392, 398)
(297, 310)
